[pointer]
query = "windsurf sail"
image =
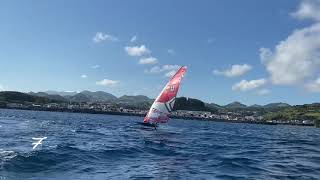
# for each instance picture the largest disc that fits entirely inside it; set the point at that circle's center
(163, 105)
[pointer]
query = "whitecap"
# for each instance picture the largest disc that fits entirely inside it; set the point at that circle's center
(54, 146)
(6, 155)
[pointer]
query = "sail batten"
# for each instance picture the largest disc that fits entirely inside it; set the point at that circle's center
(163, 105)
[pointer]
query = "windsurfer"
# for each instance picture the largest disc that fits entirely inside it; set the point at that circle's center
(162, 106)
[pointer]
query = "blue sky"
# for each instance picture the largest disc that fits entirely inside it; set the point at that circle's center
(248, 51)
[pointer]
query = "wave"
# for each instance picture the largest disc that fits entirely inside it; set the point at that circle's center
(7, 155)
(113, 147)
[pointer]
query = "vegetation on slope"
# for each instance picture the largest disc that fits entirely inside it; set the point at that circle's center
(18, 97)
(183, 103)
(299, 112)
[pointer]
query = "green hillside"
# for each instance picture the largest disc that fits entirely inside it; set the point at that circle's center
(299, 112)
(183, 103)
(18, 97)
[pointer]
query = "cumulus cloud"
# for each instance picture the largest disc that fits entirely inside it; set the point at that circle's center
(294, 59)
(308, 9)
(95, 66)
(313, 86)
(137, 50)
(265, 55)
(83, 76)
(99, 37)
(168, 70)
(133, 39)
(107, 82)
(170, 73)
(153, 70)
(263, 92)
(148, 60)
(245, 85)
(164, 68)
(235, 70)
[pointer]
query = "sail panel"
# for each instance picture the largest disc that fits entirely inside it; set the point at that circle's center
(163, 105)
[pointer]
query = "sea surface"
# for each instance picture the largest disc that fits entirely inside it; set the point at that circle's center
(91, 146)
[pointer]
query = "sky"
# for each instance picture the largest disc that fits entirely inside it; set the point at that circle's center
(255, 52)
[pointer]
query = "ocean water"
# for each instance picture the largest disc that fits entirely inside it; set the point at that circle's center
(89, 146)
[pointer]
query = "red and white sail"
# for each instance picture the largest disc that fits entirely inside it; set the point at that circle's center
(163, 105)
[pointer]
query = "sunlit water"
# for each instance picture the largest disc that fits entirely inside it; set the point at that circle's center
(87, 146)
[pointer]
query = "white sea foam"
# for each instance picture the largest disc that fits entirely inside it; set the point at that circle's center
(6, 155)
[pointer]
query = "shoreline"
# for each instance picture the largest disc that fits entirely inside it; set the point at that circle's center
(88, 111)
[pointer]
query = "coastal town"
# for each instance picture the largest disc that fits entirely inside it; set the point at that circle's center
(118, 109)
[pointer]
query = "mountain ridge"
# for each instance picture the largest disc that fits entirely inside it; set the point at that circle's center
(102, 96)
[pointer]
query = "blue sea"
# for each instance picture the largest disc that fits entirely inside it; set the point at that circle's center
(91, 146)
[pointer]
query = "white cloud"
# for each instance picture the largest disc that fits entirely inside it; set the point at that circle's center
(170, 67)
(245, 85)
(95, 66)
(164, 68)
(308, 9)
(137, 51)
(171, 51)
(263, 92)
(294, 59)
(167, 69)
(313, 86)
(235, 71)
(149, 60)
(170, 73)
(153, 70)
(99, 37)
(107, 82)
(133, 39)
(83, 76)
(265, 55)
(72, 91)
(2, 88)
